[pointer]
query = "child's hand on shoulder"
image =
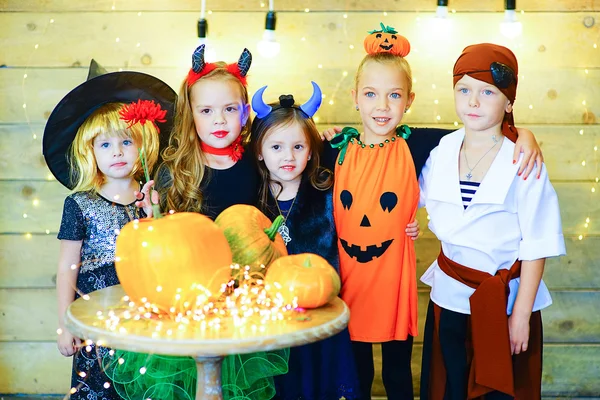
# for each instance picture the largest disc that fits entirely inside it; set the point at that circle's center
(143, 198)
(330, 133)
(412, 230)
(532, 153)
(67, 343)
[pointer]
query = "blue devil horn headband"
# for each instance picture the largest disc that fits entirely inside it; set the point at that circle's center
(309, 108)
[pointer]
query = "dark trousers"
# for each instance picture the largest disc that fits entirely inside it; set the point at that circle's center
(453, 332)
(396, 368)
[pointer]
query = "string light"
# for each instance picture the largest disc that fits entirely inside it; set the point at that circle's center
(440, 23)
(510, 27)
(269, 47)
(210, 53)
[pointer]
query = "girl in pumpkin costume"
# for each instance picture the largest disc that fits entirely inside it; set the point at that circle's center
(483, 335)
(92, 151)
(206, 169)
(297, 184)
(376, 194)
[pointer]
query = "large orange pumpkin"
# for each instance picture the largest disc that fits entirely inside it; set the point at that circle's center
(252, 237)
(386, 40)
(308, 277)
(166, 260)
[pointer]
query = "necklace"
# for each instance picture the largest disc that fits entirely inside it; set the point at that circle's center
(469, 175)
(283, 230)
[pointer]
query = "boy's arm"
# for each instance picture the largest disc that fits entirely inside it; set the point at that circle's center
(518, 322)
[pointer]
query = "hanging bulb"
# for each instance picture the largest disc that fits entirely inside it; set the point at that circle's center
(441, 24)
(210, 53)
(510, 27)
(269, 47)
(442, 9)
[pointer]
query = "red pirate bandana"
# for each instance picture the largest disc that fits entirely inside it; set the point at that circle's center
(495, 65)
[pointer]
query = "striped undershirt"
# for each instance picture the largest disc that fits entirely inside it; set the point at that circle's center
(467, 190)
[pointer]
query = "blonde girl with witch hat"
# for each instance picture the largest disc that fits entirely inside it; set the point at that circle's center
(93, 152)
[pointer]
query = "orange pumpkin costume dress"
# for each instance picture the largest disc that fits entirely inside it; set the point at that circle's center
(376, 195)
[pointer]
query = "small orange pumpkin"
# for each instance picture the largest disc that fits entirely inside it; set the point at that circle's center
(386, 40)
(307, 276)
(252, 237)
(165, 260)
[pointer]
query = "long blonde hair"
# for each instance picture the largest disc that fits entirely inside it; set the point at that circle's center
(183, 160)
(106, 121)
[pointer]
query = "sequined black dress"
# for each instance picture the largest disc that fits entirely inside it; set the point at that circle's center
(96, 221)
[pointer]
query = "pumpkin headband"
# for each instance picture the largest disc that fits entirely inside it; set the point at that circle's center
(386, 40)
(201, 68)
(287, 101)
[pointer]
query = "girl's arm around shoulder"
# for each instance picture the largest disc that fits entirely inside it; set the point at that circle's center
(422, 141)
(539, 218)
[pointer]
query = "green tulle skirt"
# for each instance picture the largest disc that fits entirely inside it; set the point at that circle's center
(137, 376)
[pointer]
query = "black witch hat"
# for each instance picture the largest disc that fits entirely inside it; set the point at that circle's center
(100, 88)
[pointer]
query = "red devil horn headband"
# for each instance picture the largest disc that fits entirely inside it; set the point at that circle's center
(201, 68)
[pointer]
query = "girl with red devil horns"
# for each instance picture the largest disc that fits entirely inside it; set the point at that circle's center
(205, 157)
(206, 169)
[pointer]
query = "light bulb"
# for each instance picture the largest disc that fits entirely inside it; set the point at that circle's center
(441, 25)
(511, 27)
(268, 47)
(442, 9)
(210, 53)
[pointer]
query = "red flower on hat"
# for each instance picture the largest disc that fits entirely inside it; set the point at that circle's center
(142, 111)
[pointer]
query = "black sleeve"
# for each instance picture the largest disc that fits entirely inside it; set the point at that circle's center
(421, 142)
(71, 226)
(329, 156)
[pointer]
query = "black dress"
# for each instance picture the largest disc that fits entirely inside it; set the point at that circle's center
(222, 188)
(95, 221)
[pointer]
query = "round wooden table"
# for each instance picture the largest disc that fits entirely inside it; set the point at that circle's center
(208, 346)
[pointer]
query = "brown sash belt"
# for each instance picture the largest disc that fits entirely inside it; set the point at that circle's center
(491, 366)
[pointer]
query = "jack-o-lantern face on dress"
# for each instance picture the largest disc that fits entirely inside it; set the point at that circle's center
(368, 226)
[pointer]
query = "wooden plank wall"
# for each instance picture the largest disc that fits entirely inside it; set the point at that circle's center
(47, 44)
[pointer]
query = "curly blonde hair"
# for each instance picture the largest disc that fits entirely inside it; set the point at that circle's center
(106, 121)
(184, 163)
